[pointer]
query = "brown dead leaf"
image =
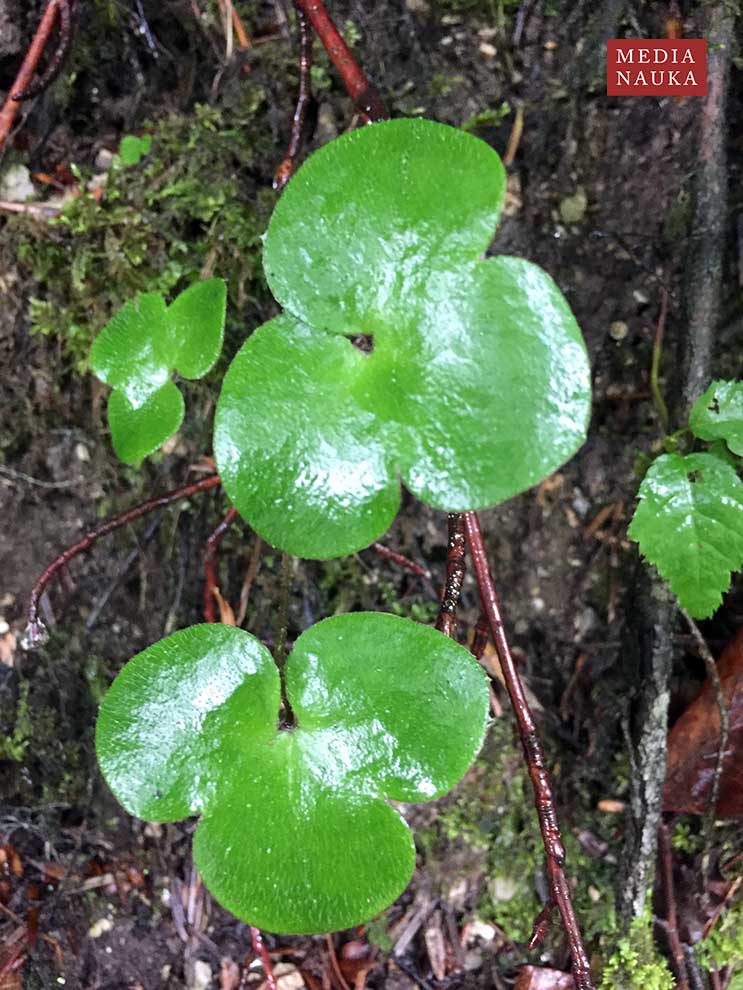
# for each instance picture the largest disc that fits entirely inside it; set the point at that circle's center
(694, 739)
(536, 978)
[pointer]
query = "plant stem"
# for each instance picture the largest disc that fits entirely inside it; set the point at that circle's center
(211, 582)
(304, 99)
(22, 86)
(364, 94)
(260, 951)
(545, 805)
(279, 653)
(455, 570)
(35, 631)
(671, 926)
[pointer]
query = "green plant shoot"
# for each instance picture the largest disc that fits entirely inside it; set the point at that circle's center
(140, 347)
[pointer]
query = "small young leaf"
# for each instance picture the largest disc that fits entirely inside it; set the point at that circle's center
(296, 835)
(140, 347)
(689, 523)
(477, 385)
(196, 324)
(718, 415)
(138, 431)
(132, 148)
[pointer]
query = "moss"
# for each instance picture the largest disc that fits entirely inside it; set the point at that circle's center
(189, 206)
(635, 963)
(13, 746)
(724, 945)
(493, 813)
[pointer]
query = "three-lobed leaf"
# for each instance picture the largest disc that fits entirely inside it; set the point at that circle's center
(140, 347)
(718, 414)
(296, 834)
(477, 385)
(689, 523)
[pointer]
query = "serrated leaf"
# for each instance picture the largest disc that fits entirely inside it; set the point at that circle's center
(140, 347)
(689, 523)
(295, 835)
(718, 415)
(477, 385)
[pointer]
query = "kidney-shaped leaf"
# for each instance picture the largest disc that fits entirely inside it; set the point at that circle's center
(139, 348)
(296, 835)
(718, 415)
(689, 523)
(477, 384)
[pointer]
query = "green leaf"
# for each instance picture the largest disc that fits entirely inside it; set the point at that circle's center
(689, 523)
(140, 347)
(138, 431)
(718, 415)
(295, 835)
(132, 148)
(477, 385)
(196, 325)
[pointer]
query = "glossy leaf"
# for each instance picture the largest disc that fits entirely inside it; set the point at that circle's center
(140, 347)
(477, 385)
(295, 835)
(718, 415)
(689, 523)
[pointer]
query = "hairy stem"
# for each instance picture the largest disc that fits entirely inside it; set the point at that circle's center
(545, 805)
(304, 98)
(455, 570)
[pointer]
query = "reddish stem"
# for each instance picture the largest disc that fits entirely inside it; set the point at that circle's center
(211, 582)
(363, 93)
(304, 98)
(560, 891)
(260, 951)
(400, 559)
(455, 569)
(480, 637)
(35, 632)
(57, 61)
(26, 72)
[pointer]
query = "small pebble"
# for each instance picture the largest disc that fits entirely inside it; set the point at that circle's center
(618, 330)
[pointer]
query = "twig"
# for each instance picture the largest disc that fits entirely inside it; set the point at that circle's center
(25, 75)
(35, 632)
(364, 94)
(211, 582)
(304, 99)
(455, 569)
(39, 482)
(40, 210)
(671, 926)
(724, 712)
(514, 139)
(535, 761)
(660, 402)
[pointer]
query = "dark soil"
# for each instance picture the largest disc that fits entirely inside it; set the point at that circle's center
(107, 903)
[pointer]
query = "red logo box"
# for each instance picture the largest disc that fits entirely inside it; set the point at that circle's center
(656, 67)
